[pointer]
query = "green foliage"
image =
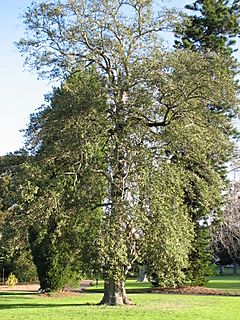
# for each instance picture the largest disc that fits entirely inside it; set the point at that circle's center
(22, 266)
(223, 257)
(66, 244)
(51, 268)
(213, 26)
(50, 196)
(200, 257)
(168, 232)
(15, 253)
(54, 257)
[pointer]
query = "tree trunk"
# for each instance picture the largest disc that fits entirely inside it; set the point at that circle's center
(235, 267)
(142, 274)
(221, 269)
(115, 293)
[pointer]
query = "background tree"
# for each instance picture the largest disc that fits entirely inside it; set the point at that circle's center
(68, 192)
(137, 128)
(211, 26)
(228, 236)
(15, 252)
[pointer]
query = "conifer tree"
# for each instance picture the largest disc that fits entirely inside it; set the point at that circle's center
(211, 26)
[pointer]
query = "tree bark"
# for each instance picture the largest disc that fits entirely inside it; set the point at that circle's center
(115, 293)
(235, 267)
(142, 274)
(221, 269)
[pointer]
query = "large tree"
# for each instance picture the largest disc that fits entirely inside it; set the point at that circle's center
(150, 110)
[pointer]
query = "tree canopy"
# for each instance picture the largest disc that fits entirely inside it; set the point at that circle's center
(213, 26)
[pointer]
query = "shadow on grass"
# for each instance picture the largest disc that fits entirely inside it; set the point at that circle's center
(17, 293)
(42, 305)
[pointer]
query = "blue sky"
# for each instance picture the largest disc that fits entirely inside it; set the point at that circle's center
(20, 91)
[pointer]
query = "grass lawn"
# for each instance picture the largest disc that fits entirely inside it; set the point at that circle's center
(228, 282)
(21, 306)
(132, 286)
(148, 306)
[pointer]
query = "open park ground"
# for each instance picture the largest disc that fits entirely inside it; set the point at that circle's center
(23, 302)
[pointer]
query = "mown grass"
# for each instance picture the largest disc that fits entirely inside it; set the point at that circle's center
(21, 306)
(148, 306)
(228, 282)
(132, 286)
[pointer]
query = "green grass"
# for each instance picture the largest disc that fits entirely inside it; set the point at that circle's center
(132, 286)
(21, 306)
(228, 282)
(148, 306)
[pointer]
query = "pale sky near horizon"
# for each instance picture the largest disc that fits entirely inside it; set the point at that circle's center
(20, 91)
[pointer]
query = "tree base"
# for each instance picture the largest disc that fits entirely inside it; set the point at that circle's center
(115, 294)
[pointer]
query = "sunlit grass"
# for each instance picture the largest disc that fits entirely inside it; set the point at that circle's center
(21, 306)
(148, 306)
(227, 282)
(132, 286)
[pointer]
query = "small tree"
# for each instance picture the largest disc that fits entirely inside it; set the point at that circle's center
(12, 280)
